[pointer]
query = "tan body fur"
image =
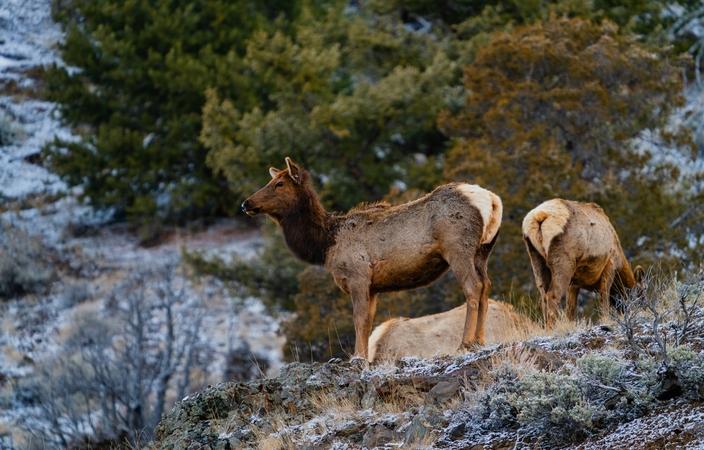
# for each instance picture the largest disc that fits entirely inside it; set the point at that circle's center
(437, 334)
(381, 248)
(573, 246)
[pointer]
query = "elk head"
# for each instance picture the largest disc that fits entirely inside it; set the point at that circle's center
(282, 195)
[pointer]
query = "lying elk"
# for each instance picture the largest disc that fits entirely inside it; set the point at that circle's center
(437, 334)
(573, 246)
(381, 248)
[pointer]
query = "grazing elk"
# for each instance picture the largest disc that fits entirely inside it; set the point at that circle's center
(381, 248)
(573, 246)
(438, 334)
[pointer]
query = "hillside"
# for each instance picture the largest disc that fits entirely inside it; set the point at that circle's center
(622, 385)
(131, 132)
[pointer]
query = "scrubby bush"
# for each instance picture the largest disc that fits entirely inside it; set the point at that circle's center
(120, 368)
(25, 263)
(542, 404)
(607, 386)
(688, 366)
(606, 369)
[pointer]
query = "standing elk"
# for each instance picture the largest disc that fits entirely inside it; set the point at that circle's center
(572, 246)
(437, 334)
(381, 248)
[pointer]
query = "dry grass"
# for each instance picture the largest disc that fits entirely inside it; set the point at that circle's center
(520, 359)
(324, 402)
(425, 442)
(401, 399)
(273, 436)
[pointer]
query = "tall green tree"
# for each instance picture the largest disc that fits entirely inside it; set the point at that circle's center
(352, 95)
(133, 87)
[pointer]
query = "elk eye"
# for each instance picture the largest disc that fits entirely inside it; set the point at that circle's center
(279, 184)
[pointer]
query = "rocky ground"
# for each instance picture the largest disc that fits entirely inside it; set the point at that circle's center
(591, 389)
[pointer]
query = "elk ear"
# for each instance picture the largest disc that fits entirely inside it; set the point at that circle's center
(639, 274)
(295, 172)
(273, 171)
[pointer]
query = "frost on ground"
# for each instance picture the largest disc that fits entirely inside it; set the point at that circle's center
(36, 327)
(28, 38)
(637, 382)
(77, 259)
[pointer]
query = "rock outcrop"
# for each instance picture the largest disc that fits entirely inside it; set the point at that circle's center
(587, 390)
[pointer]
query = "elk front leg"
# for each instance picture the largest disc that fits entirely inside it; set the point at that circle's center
(363, 311)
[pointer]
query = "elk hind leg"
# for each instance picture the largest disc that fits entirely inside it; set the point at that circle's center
(541, 274)
(481, 262)
(572, 297)
(605, 284)
(472, 287)
(561, 276)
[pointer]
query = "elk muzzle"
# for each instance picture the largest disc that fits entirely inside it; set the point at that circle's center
(249, 209)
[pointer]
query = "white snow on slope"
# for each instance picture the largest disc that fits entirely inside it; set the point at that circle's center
(31, 326)
(28, 39)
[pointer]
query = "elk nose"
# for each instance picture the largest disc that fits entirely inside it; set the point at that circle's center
(245, 206)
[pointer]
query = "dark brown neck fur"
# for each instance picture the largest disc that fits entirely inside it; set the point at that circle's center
(309, 230)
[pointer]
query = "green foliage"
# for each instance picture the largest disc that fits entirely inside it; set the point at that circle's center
(640, 16)
(548, 405)
(604, 369)
(138, 94)
(551, 401)
(353, 97)
(550, 112)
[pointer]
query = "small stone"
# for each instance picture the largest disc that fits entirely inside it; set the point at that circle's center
(377, 436)
(444, 390)
(457, 430)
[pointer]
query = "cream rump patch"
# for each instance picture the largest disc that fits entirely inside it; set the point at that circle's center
(489, 206)
(545, 222)
(378, 333)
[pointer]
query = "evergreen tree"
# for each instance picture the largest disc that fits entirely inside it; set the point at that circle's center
(551, 111)
(352, 95)
(133, 87)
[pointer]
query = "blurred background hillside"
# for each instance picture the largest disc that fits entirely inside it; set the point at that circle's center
(130, 131)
